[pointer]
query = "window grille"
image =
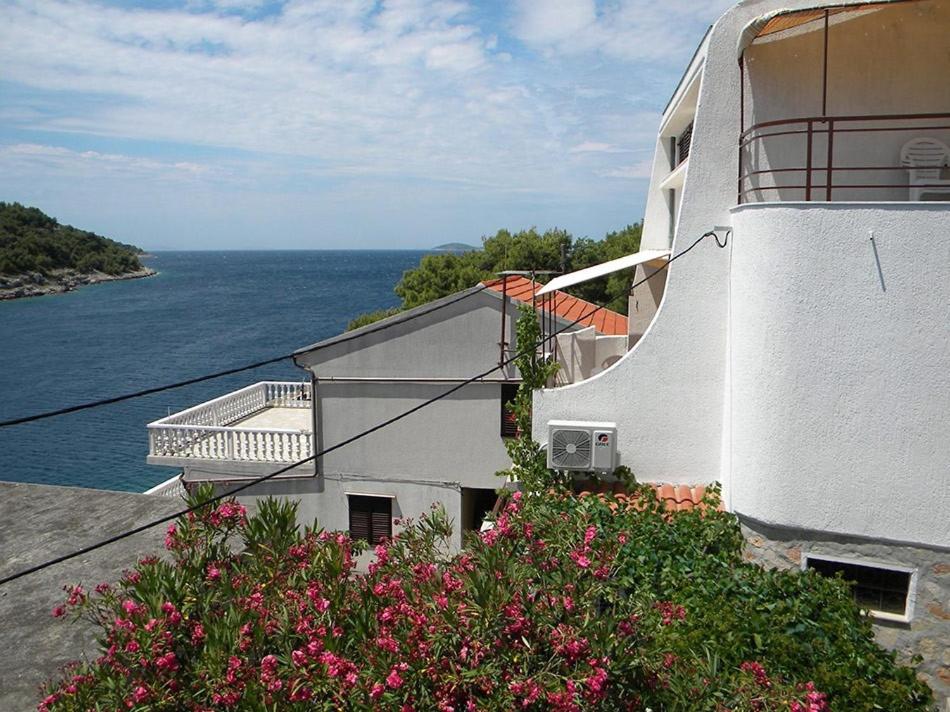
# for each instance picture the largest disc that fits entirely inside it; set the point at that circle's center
(683, 143)
(509, 424)
(371, 518)
(875, 588)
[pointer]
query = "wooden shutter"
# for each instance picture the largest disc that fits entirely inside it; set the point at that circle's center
(359, 518)
(371, 518)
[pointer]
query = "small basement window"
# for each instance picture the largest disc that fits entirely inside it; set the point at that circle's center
(371, 518)
(509, 425)
(885, 591)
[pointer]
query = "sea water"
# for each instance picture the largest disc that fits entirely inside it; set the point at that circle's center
(203, 312)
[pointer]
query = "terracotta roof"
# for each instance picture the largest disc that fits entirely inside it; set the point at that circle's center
(677, 498)
(569, 308)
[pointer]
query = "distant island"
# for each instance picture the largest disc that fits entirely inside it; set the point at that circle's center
(454, 247)
(39, 256)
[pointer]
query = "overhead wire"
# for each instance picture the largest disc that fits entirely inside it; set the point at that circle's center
(343, 443)
(231, 371)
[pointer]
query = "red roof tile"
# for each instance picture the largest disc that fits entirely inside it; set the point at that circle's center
(677, 498)
(569, 308)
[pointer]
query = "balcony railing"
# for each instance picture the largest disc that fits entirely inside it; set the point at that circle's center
(833, 157)
(213, 430)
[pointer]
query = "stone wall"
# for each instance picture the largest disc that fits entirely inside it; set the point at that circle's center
(928, 632)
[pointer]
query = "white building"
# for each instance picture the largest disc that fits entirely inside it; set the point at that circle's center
(806, 366)
(447, 452)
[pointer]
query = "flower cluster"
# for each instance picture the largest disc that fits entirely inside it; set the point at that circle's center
(533, 615)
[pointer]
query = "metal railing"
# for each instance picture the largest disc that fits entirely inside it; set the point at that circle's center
(802, 156)
(206, 431)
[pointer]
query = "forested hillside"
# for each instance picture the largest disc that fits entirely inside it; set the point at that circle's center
(31, 241)
(441, 274)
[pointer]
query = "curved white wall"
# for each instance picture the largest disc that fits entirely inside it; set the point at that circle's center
(857, 446)
(666, 394)
(841, 372)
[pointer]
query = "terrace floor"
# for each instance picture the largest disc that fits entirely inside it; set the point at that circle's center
(277, 417)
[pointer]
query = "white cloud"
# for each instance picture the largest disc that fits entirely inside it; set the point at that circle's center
(623, 29)
(641, 169)
(32, 157)
(353, 101)
(598, 147)
(553, 21)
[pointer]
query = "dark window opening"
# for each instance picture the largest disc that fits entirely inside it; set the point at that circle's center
(477, 503)
(683, 144)
(371, 518)
(509, 424)
(874, 588)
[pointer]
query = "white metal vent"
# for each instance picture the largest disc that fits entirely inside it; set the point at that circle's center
(575, 445)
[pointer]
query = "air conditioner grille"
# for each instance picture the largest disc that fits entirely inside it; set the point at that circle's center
(571, 448)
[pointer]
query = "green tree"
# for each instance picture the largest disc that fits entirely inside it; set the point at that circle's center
(31, 241)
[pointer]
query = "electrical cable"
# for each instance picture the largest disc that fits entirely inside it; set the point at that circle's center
(231, 371)
(379, 426)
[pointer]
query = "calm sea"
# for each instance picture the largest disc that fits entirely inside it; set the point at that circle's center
(205, 311)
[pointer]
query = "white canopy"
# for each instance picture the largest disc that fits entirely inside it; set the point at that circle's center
(605, 268)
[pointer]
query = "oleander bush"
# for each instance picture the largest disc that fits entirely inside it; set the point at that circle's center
(568, 603)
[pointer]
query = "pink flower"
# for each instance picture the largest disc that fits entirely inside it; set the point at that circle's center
(299, 658)
(168, 662)
(214, 573)
(761, 678)
(374, 694)
(580, 559)
(59, 611)
(170, 535)
(140, 694)
(269, 663)
(589, 535)
(394, 679)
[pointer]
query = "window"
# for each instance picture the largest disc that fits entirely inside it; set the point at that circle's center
(683, 143)
(509, 426)
(371, 518)
(885, 591)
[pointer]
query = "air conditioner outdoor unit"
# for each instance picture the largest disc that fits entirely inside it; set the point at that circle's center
(578, 445)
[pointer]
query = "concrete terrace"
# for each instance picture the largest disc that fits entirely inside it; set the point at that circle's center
(37, 523)
(267, 422)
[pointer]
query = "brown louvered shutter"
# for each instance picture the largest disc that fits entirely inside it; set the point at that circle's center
(370, 518)
(382, 520)
(359, 518)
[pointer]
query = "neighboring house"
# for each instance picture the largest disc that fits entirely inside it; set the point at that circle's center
(806, 366)
(447, 452)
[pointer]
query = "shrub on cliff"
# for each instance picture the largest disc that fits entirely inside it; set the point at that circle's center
(567, 604)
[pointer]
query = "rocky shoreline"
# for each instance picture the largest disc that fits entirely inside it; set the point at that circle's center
(21, 286)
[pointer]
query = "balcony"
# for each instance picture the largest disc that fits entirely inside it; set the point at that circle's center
(841, 158)
(268, 422)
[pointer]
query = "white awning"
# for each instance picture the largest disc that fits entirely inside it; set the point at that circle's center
(605, 268)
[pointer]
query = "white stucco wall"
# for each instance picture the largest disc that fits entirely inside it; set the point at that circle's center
(687, 406)
(841, 373)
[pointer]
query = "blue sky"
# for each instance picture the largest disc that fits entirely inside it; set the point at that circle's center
(215, 124)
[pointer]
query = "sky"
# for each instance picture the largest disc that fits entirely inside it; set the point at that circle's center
(246, 124)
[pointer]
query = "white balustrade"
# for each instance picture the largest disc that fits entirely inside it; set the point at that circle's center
(171, 487)
(203, 432)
